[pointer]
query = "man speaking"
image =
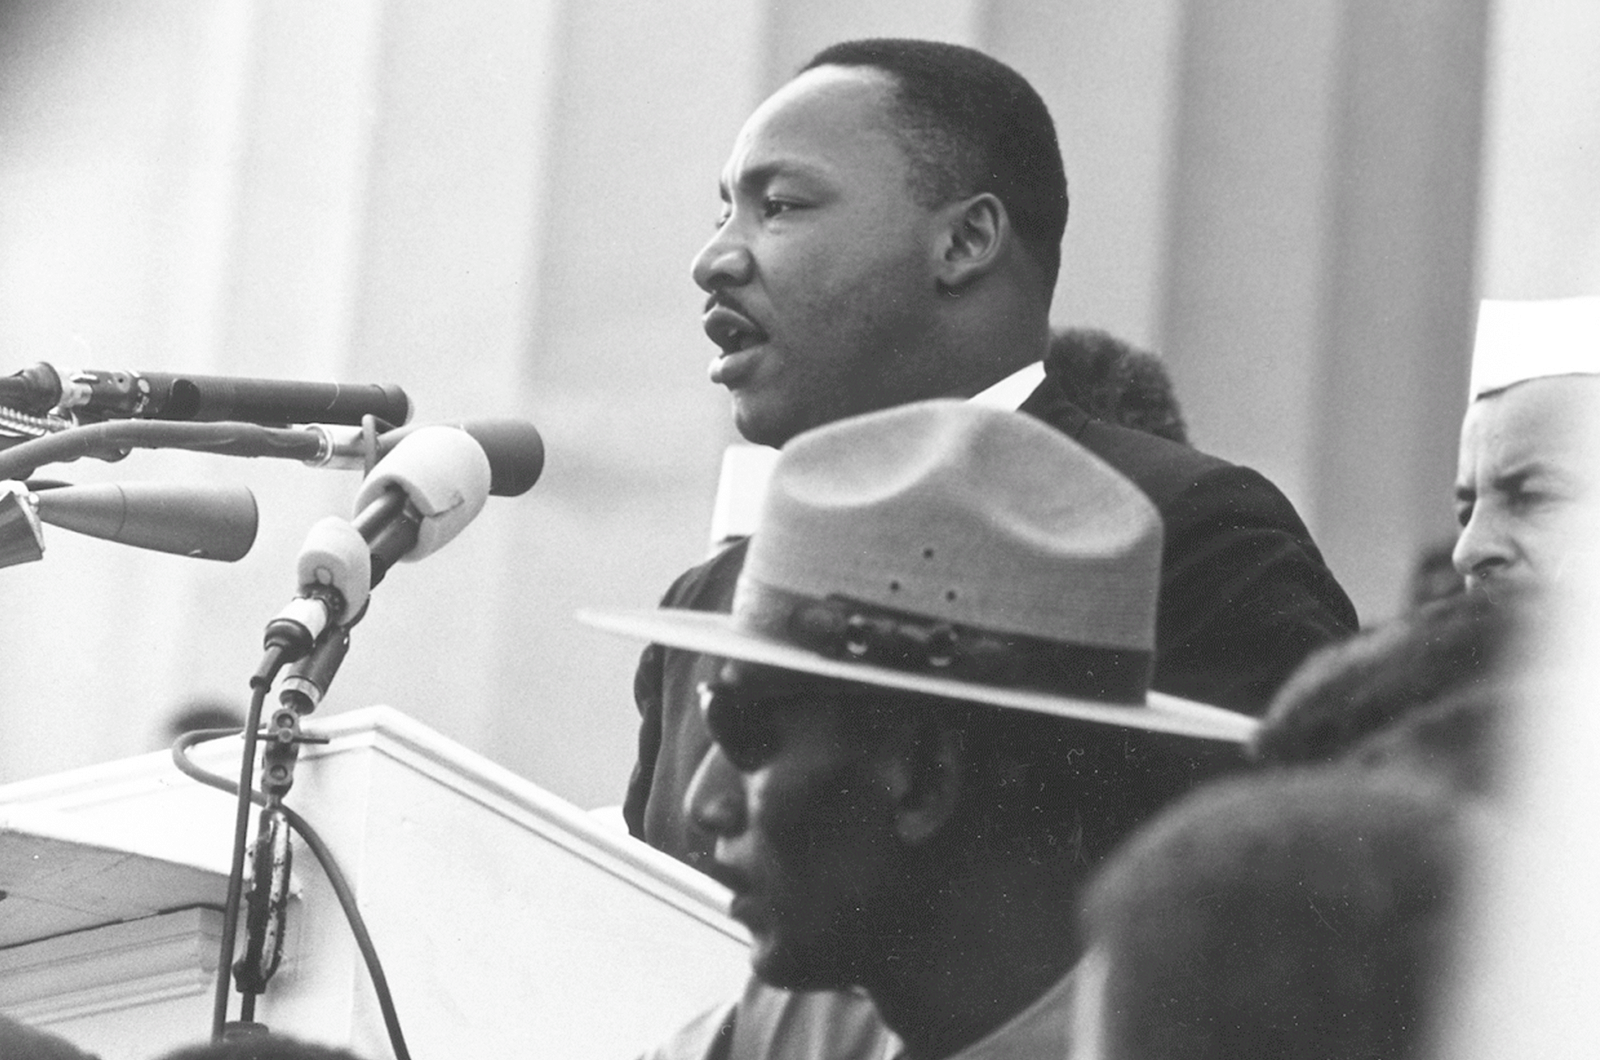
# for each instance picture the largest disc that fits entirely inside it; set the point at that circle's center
(890, 232)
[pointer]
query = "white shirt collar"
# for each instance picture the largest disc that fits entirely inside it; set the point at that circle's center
(746, 468)
(1013, 390)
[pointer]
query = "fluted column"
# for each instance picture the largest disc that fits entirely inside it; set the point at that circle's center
(1319, 289)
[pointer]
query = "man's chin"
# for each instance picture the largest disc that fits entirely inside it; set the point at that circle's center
(786, 970)
(757, 423)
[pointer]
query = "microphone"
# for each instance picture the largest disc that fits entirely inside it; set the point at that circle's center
(21, 537)
(307, 681)
(514, 449)
(416, 500)
(204, 521)
(97, 394)
(439, 479)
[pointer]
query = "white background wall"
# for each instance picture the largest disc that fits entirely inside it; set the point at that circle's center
(493, 203)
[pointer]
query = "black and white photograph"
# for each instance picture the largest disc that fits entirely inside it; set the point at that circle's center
(760, 530)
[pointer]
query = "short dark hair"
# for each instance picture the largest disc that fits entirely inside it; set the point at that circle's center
(18, 1041)
(1346, 691)
(1457, 741)
(261, 1047)
(1115, 381)
(971, 124)
(1297, 915)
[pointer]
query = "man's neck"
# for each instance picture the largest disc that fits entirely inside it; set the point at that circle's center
(988, 336)
(997, 944)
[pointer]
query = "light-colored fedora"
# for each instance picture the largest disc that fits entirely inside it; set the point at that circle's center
(956, 551)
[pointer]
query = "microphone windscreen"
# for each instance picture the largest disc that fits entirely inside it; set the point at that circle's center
(514, 449)
(336, 555)
(445, 477)
(203, 521)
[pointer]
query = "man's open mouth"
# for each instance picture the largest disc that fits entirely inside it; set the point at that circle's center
(732, 330)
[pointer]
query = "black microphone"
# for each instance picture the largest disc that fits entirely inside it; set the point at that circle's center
(415, 501)
(96, 394)
(205, 521)
(307, 681)
(514, 449)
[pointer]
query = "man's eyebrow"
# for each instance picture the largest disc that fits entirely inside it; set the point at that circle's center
(1535, 470)
(1518, 475)
(759, 176)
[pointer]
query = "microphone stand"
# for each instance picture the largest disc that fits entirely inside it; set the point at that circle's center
(303, 689)
(266, 908)
(260, 682)
(390, 527)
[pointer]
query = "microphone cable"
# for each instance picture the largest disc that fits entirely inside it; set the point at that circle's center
(320, 850)
(114, 439)
(260, 684)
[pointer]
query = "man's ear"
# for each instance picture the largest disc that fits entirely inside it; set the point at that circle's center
(972, 235)
(925, 779)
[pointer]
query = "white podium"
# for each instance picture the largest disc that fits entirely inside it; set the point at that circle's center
(509, 922)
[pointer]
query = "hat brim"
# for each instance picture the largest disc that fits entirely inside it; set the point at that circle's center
(714, 634)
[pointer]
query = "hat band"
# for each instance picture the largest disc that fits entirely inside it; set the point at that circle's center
(841, 628)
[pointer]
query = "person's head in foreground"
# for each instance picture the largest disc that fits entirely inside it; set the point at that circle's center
(935, 719)
(1304, 916)
(261, 1047)
(1528, 473)
(890, 231)
(1464, 649)
(18, 1041)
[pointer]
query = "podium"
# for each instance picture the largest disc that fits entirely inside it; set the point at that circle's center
(509, 922)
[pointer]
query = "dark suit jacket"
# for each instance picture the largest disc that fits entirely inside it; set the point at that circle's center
(1244, 597)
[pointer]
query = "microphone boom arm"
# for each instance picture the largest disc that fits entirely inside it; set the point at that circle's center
(114, 439)
(514, 448)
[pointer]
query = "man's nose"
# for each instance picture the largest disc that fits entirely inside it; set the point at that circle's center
(1484, 549)
(723, 262)
(715, 799)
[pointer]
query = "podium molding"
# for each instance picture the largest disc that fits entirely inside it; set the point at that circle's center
(508, 920)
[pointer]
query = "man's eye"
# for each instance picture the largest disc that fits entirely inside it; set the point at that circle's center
(722, 217)
(1528, 498)
(1525, 502)
(1463, 514)
(746, 729)
(771, 208)
(749, 737)
(749, 745)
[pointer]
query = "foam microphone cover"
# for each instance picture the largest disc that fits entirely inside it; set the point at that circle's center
(203, 521)
(514, 449)
(336, 555)
(445, 477)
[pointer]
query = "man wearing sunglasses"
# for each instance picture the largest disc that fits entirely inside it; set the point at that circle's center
(931, 719)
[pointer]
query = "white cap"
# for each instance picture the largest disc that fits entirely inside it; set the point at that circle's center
(1518, 341)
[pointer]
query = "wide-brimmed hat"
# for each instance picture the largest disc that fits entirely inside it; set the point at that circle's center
(1521, 340)
(956, 551)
